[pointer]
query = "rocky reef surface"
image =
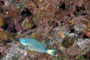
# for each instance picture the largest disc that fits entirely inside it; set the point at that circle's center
(63, 25)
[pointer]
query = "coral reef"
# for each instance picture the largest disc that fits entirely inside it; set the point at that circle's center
(63, 25)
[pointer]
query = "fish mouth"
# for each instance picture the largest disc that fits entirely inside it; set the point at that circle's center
(23, 41)
(20, 39)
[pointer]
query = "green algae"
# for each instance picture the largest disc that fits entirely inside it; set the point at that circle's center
(77, 57)
(27, 24)
(65, 58)
(55, 58)
(84, 51)
(80, 57)
(60, 45)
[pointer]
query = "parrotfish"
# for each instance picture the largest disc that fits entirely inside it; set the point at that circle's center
(35, 45)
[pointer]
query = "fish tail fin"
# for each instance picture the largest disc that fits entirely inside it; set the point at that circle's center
(51, 52)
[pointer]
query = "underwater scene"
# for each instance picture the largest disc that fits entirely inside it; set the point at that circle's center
(44, 29)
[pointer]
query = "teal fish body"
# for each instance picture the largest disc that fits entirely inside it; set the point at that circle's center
(34, 45)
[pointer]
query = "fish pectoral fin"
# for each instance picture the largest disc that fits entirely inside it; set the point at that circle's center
(31, 48)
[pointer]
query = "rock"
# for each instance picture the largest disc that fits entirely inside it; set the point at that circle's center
(61, 34)
(5, 35)
(67, 42)
(36, 36)
(1, 21)
(2, 3)
(15, 53)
